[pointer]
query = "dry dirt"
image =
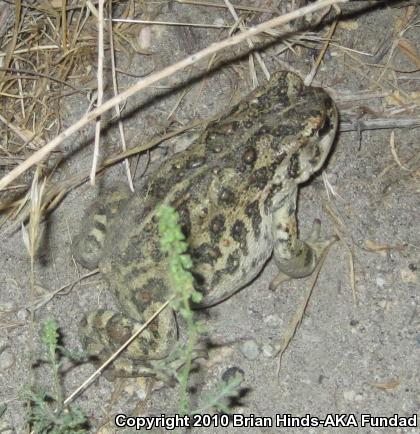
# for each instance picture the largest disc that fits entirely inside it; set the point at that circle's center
(347, 357)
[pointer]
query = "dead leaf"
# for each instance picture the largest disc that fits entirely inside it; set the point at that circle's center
(374, 246)
(348, 25)
(409, 51)
(408, 276)
(389, 385)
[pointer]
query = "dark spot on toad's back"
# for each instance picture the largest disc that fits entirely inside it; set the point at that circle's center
(205, 253)
(252, 210)
(232, 262)
(227, 197)
(293, 168)
(153, 285)
(143, 297)
(248, 123)
(184, 219)
(250, 155)
(217, 227)
(260, 177)
(238, 231)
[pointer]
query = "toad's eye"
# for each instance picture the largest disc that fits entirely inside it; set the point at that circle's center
(326, 128)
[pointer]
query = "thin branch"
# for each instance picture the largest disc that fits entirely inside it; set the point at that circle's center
(249, 40)
(220, 5)
(169, 23)
(117, 107)
(380, 124)
(100, 89)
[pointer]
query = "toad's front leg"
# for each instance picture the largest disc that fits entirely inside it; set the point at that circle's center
(295, 258)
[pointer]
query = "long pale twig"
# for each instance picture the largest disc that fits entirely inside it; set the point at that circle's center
(165, 72)
(169, 23)
(309, 78)
(249, 40)
(380, 124)
(100, 88)
(221, 5)
(298, 316)
(117, 107)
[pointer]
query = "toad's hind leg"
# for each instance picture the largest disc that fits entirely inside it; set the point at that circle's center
(87, 247)
(295, 258)
(105, 331)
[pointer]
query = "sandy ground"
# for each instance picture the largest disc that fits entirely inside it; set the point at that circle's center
(349, 356)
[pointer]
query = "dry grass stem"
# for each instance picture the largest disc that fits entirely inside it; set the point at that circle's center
(309, 78)
(25, 135)
(250, 45)
(340, 229)
(55, 193)
(117, 107)
(394, 152)
(220, 5)
(100, 89)
(169, 23)
(32, 234)
(164, 73)
(43, 300)
(375, 83)
(341, 97)
(352, 274)
(32, 49)
(380, 124)
(328, 187)
(298, 315)
(31, 238)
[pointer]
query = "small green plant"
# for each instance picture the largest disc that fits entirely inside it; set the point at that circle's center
(220, 398)
(173, 243)
(182, 284)
(48, 415)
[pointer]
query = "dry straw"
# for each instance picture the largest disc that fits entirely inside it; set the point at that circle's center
(42, 153)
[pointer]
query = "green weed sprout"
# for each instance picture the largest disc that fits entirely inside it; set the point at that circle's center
(47, 413)
(173, 244)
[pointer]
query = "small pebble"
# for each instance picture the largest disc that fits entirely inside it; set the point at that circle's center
(267, 350)
(272, 319)
(6, 359)
(380, 281)
(232, 372)
(250, 350)
(22, 315)
(349, 395)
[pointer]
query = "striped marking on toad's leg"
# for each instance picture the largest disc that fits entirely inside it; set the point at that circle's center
(105, 331)
(88, 244)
